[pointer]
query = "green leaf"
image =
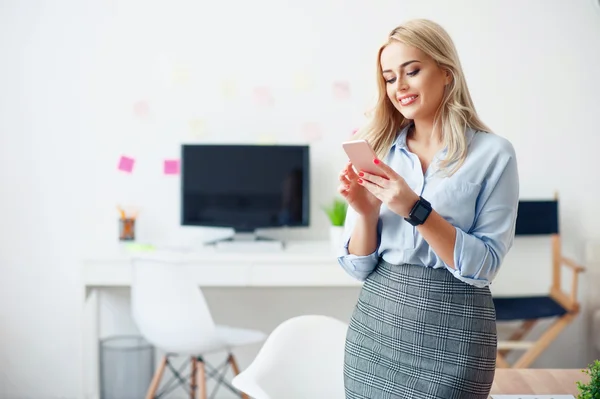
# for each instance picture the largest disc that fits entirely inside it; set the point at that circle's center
(336, 212)
(591, 390)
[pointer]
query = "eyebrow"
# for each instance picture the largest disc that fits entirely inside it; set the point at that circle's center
(407, 63)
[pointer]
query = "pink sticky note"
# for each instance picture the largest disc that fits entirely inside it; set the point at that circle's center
(171, 167)
(341, 90)
(263, 96)
(311, 131)
(126, 164)
(141, 109)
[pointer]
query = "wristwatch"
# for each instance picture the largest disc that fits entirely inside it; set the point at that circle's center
(419, 212)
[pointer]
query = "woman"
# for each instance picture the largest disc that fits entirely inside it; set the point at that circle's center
(428, 234)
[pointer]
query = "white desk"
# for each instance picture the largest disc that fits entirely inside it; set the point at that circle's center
(300, 264)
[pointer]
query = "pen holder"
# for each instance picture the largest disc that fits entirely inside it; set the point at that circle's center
(127, 229)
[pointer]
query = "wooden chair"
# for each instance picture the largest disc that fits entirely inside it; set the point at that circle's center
(539, 218)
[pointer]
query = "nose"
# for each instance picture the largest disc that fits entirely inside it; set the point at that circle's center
(401, 84)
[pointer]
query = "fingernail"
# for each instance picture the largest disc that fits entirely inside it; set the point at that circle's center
(361, 174)
(376, 161)
(359, 181)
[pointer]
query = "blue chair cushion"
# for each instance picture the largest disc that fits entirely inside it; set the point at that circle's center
(526, 308)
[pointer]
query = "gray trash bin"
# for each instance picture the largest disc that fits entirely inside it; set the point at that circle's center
(126, 367)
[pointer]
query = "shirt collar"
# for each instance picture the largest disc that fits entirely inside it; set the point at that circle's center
(400, 141)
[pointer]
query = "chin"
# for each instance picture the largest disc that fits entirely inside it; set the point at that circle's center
(408, 113)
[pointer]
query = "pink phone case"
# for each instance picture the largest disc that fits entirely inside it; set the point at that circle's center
(361, 155)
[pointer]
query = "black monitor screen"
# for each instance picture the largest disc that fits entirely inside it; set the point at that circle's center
(245, 186)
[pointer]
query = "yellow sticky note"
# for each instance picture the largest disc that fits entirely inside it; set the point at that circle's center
(302, 81)
(181, 74)
(228, 88)
(136, 247)
(265, 138)
(197, 127)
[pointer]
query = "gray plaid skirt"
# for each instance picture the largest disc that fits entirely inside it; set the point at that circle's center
(420, 333)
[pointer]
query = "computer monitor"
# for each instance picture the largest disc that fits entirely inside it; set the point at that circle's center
(245, 187)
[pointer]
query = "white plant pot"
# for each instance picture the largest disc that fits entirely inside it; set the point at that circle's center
(335, 237)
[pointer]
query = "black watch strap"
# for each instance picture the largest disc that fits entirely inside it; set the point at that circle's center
(419, 213)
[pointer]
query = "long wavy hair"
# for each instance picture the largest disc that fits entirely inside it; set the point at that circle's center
(456, 111)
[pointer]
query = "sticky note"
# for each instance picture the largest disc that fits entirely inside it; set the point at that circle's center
(311, 131)
(136, 247)
(302, 81)
(228, 88)
(141, 109)
(171, 166)
(126, 164)
(263, 96)
(181, 74)
(266, 139)
(197, 127)
(341, 90)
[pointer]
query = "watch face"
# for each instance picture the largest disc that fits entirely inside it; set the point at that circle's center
(420, 213)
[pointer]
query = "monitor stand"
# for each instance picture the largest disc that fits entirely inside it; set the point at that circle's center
(247, 241)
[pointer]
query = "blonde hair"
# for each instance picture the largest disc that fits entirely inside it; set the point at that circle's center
(456, 111)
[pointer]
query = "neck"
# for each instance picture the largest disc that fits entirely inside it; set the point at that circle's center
(424, 132)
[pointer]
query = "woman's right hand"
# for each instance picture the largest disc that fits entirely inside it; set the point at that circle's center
(357, 196)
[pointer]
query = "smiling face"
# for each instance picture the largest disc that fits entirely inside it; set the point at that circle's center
(414, 81)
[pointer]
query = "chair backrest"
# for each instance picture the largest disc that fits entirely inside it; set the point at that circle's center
(167, 306)
(302, 358)
(542, 218)
(537, 218)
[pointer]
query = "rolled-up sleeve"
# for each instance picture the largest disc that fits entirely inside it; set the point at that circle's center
(357, 266)
(479, 253)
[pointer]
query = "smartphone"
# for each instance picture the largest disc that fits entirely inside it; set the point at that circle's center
(361, 155)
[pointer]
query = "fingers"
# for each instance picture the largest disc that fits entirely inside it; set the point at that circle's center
(386, 169)
(372, 187)
(350, 171)
(348, 175)
(378, 180)
(344, 178)
(343, 190)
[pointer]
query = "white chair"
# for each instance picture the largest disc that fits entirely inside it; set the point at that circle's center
(171, 313)
(302, 358)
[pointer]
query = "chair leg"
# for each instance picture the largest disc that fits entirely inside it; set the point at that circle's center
(501, 362)
(157, 378)
(519, 334)
(544, 341)
(236, 371)
(193, 385)
(201, 378)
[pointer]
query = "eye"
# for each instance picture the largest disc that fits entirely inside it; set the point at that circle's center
(413, 73)
(390, 80)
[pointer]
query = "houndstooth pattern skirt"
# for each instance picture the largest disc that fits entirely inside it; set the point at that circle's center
(420, 333)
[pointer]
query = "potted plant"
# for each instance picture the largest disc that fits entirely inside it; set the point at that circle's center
(591, 390)
(336, 212)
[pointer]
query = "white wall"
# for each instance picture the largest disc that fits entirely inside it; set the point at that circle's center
(70, 72)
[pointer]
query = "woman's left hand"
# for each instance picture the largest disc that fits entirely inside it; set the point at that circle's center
(390, 188)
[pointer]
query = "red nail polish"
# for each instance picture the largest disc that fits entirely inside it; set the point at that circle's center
(360, 181)
(376, 161)
(361, 174)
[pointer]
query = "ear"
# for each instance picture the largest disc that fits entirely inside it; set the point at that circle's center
(448, 76)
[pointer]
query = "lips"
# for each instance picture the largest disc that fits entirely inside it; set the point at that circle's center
(407, 100)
